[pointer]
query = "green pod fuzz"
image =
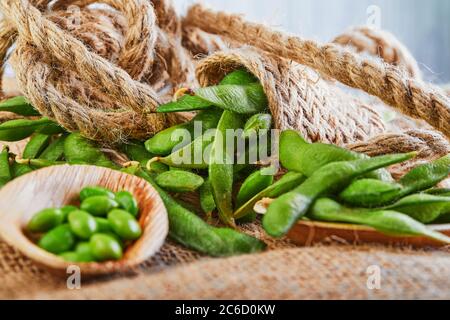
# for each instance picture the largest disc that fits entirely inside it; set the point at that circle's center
(58, 240)
(79, 150)
(88, 192)
(45, 220)
(36, 146)
(206, 198)
(99, 206)
(369, 193)
(66, 210)
(82, 224)
(103, 225)
(124, 224)
(386, 221)
(84, 252)
(104, 247)
(254, 184)
(256, 123)
(55, 151)
(424, 208)
(19, 105)
(127, 202)
(16, 130)
(6, 174)
(179, 181)
(70, 256)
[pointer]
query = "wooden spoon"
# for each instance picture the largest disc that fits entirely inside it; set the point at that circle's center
(60, 185)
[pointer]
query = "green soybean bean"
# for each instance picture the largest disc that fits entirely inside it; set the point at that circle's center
(367, 192)
(70, 256)
(79, 150)
(58, 240)
(221, 171)
(18, 105)
(191, 231)
(5, 167)
(16, 130)
(256, 123)
(36, 146)
(418, 179)
(82, 224)
(179, 181)
(127, 202)
(136, 151)
(206, 198)
(254, 184)
(103, 225)
(45, 220)
(424, 208)
(164, 142)
(66, 210)
(84, 252)
(288, 182)
(124, 224)
(386, 221)
(88, 192)
(55, 151)
(99, 206)
(104, 247)
(298, 155)
(284, 212)
(18, 170)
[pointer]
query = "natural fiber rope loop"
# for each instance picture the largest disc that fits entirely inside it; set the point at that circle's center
(389, 83)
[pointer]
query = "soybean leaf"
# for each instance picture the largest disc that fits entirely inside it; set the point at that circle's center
(16, 130)
(185, 103)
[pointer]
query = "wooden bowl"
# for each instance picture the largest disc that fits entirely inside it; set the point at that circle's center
(307, 233)
(60, 185)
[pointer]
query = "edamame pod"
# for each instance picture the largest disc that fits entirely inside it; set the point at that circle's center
(55, 151)
(58, 240)
(88, 192)
(284, 212)
(104, 247)
(206, 198)
(255, 183)
(39, 163)
(179, 181)
(5, 167)
(256, 123)
(45, 220)
(127, 202)
(79, 150)
(443, 192)
(99, 206)
(36, 146)
(165, 142)
(124, 224)
(296, 154)
(82, 224)
(389, 222)
(16, 130)
(18, 170)
(136, 151)
(19, 105)
(367, 192)
(221, 171)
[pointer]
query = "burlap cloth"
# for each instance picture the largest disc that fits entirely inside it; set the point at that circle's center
(327, 271)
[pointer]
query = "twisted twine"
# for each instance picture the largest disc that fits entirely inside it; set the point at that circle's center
(412, 97)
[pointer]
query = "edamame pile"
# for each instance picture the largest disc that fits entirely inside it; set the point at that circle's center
(98, 231)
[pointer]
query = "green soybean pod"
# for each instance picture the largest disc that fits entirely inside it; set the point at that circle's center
(206, 198)
(58, 240)
(45, 220)
(386, 221)
(165, 142)
(19, 105)
(99, 206)
(370, 193)
(5, 167)
(39, 163)
(16, 130)
(18, 170)
(256, 123)
(84, 252)
(179, 181)
(55, 151)
(124, 224)
(82, 224)
(136, 151)
(36, 146)
(285, 211)
(52, 128)
(88, 192)
(79, 150)
(105, 247)
(127, 202)
(255, 183)
(424, 208)
(221, 168)
(443, 192)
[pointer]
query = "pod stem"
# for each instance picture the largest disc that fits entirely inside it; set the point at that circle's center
(148, 166)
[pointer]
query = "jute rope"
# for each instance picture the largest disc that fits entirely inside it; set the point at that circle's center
(389, 83)
(298, 98)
